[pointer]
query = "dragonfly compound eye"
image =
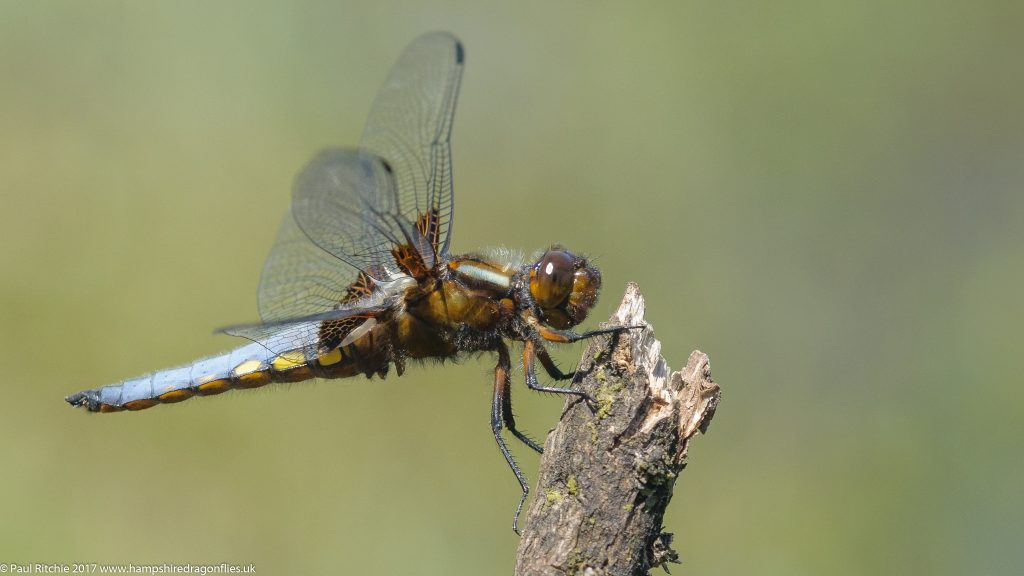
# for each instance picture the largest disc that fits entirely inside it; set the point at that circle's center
(565, 288)
(552, 279)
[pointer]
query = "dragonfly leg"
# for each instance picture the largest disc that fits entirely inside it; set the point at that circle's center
(550, 367)
(499, 415)
(568, 336)
(530, 352)
(510, 419)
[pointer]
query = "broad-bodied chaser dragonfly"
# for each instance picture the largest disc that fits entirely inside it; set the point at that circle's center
(360, 278)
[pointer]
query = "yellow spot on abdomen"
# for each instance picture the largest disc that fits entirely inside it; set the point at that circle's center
(289, 361)
(247, 367)
(175, 396)
(250, 375)
(214, 387)
(332, 357)
(254, 379)
(140, 404)
(291, 367)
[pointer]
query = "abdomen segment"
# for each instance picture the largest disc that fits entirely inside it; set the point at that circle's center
(249, 366)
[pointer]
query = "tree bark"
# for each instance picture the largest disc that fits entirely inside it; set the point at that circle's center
(609, 468)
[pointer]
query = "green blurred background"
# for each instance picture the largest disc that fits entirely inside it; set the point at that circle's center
(825, 197)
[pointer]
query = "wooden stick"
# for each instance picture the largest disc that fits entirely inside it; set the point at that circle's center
(609, 469)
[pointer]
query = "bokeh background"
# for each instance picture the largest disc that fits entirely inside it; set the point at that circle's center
(826, 197)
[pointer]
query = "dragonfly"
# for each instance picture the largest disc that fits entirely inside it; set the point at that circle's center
(360, 278)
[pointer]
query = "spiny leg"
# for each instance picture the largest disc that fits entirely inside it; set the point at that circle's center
(510, 419)
(531, 351)
(502, 383)
(550, 367)
(568, 336)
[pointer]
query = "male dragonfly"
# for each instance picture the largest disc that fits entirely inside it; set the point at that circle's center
(360, 277)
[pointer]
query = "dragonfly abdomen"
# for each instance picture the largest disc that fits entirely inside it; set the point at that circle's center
(250, 366)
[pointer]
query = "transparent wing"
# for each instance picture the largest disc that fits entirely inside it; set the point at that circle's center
(362, 220)
(410, 126)
(299, 278)
(354, 207)
(340, 272)
(341, 203)
(314, 334)
(307, 291)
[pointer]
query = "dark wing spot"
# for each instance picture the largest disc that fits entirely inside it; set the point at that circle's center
(362, 287)
(429, 224)
(409, 260)
(332, 332)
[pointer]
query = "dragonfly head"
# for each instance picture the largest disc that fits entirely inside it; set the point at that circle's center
(564, 287)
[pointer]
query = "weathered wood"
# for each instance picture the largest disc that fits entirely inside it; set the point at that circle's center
(609, 469)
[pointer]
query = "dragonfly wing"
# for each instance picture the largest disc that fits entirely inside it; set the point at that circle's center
(318, 333)
(372, 217)
(410, 126)
(338, 203)
(299, 278)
